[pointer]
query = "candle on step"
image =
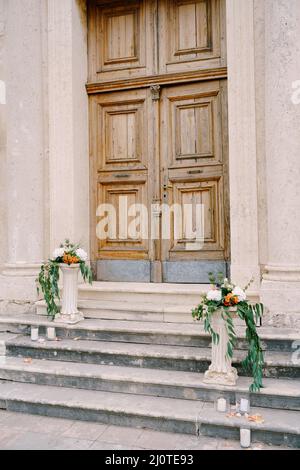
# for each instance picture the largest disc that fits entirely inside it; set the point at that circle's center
(221, 405)
(34, 333)
(244, 405)
(51, 335)
(245, 438)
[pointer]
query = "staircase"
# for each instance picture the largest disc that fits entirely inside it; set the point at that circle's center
(138, 360)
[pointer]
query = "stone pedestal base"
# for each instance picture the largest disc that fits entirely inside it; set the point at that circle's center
(69, 319)
(221, 378)
(280, 294)
(220, 371)
(18, 282)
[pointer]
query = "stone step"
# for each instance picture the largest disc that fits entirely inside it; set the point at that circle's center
(4, 337)
(164, 414)
(139, 301)
(155, 294)
(276, 394)
(130, 310)
(163, 333)
(183, 358)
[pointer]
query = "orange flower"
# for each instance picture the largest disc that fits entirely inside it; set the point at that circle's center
(69, 259)
(230, 299)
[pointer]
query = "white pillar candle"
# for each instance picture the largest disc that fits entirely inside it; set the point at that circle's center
(244, 406)
(51, 335)
(221, 405)
(34, 333)
(245, 438)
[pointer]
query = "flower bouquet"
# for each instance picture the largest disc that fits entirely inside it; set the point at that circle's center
(71, 259)
(217, 309)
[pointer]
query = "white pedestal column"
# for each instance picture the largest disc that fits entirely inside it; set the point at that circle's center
(281, 281)
(69, 310)
(220, 371)
(25, 156)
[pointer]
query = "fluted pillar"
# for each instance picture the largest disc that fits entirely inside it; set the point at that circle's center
(68, 122)
(281, 281)
(2, 131)
(47, 169)
(242, 144)
(25, 155)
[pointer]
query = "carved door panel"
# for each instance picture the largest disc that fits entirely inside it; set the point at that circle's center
(158, 139)
(192, 35)
(122, 173)
(121, 39)
(194, 169)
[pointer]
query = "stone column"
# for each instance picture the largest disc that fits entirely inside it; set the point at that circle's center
(3, 234)
(281, 281)
(68, 122)
(242, 143)
(24, 171)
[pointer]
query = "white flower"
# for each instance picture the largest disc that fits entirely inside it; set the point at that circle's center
(81, 254)
(58, 253)
(227, 285)
(215, 295)
(238, 292)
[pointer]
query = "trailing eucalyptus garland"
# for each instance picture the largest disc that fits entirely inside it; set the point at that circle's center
(225, 297)
(48, 277)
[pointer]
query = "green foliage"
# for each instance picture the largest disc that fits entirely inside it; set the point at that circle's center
(48, 278)
(254, 362)
(86, 273)
(47, 282)
(200, 314)
(212, 278)
(250, 314)
(226, 315)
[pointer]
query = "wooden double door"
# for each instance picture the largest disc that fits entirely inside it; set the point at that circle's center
(158, 141)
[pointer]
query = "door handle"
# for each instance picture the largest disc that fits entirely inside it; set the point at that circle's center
(195, 172)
